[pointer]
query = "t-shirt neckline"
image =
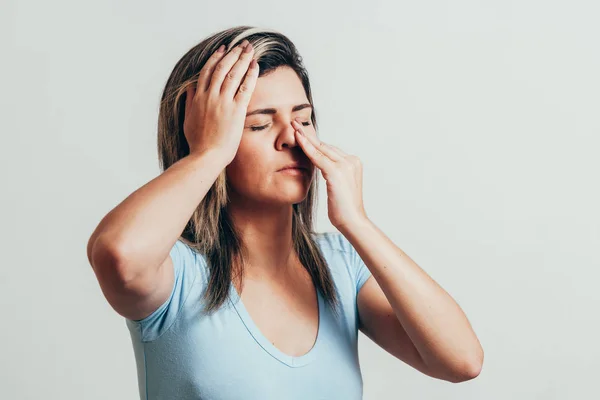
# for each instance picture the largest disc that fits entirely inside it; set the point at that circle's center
(292, 361)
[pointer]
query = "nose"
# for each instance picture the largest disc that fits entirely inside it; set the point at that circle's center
(287, 137)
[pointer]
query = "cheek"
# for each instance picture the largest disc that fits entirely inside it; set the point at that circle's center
(249, 165)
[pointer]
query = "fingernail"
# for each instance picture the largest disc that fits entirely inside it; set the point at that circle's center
(221, 49)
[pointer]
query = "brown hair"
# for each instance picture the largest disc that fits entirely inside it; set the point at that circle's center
(210, 230)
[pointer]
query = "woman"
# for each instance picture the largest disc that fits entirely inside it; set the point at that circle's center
(226, 290)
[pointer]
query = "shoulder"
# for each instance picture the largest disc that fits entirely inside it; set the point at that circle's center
(342, 256)
(337, 250)
(188, 258)
(333, 242)
(189, 271)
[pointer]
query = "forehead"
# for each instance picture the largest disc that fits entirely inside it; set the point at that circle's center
(279, 88)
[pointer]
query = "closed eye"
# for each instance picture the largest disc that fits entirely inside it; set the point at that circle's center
(260, 128)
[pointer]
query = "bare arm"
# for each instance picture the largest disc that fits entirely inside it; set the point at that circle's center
(143, 228)
(430, 331)
(129, 250)
(402, 308)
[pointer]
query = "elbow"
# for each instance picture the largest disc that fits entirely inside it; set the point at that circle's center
(461, 369)
(468, 373)
(470, 368)
(107, 258)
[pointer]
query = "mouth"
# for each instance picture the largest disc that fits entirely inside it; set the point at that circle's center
(295, 170)
(300, 168)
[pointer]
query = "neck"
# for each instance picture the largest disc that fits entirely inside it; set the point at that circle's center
(266, 233)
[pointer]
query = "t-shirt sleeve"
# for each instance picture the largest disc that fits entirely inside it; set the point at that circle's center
(362, 272)
(357, 266)
(185, 269)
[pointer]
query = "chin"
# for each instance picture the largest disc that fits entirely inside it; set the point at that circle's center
(293, 193)
(288, 196)
(292, 198)
(277, 192)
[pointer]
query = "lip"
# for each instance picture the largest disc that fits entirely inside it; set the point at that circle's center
(297, 168)
(294, 171)
(294, 165)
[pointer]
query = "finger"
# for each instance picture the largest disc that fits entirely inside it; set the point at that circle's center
(321, 146)
(224, 66)
(319, 159)
(207, 71)
(247, 87)
(235, 76)
(338, 151)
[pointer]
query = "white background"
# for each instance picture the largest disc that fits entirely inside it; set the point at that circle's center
(477, 124)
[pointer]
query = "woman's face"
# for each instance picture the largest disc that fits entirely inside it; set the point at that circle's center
(269, 143)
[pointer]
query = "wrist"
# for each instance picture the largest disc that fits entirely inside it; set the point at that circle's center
(216, 158)
(354, 225)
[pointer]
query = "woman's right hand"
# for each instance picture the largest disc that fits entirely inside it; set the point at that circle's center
(215, 110)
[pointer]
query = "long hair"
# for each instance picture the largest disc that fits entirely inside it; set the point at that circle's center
(210, 230)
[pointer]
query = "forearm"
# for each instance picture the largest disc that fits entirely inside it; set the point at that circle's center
(142, 229)
(435, 323)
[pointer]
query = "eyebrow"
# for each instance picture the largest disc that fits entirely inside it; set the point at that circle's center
(274, 111)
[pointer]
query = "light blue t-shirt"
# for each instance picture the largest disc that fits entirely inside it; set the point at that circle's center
(183, 353)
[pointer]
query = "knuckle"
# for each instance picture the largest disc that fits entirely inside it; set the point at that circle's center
(219, 67)
(355, 161)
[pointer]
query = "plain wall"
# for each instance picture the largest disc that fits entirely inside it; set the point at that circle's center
(476, 122)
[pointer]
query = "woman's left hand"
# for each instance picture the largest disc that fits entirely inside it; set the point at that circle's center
(343, 175)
